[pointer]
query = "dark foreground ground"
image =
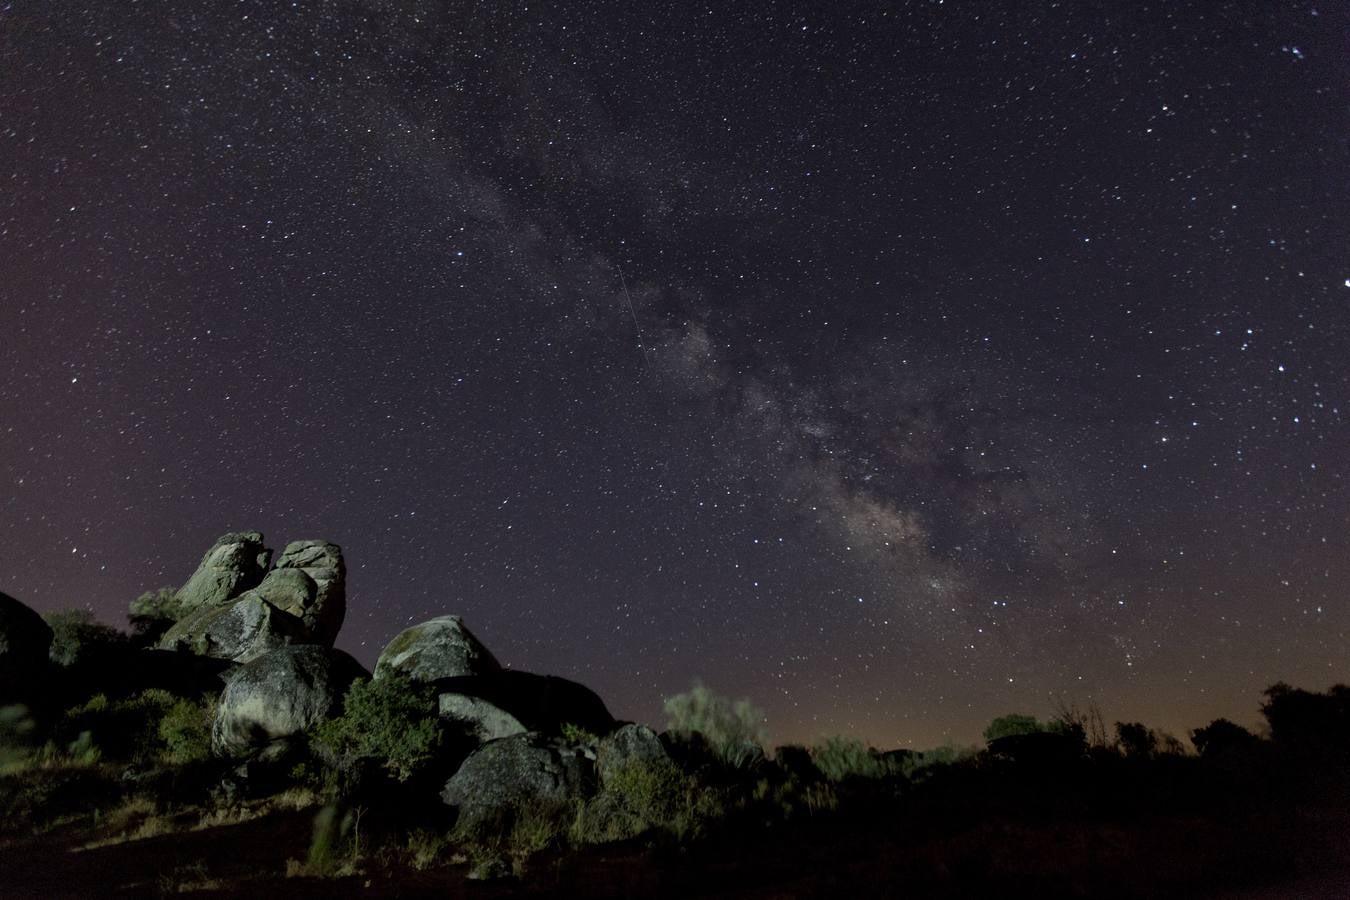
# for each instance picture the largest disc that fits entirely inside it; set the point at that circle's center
(1302, 853)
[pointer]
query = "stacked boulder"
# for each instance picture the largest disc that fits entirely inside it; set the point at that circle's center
(237, 606)
(521, 728)
(267, 630)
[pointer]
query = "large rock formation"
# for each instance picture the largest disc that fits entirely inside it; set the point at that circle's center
(519, 772)
(25, 641)
(279, 695)
(323, 610)
(236, 609)
(235, 563)
(240, 631)
(438, 648)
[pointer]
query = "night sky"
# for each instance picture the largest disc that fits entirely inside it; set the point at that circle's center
(896, 365)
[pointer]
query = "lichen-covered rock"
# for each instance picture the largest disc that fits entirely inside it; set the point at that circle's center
(25, 641)
(241, 630)
(628, 746)
(324, 610)
(437, 648)
(522, 771)
(235, 563)
(289, 590)
(279, 695)
(478, 719)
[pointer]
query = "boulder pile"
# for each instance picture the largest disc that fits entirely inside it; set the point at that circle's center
(263, 633)
(237, 606)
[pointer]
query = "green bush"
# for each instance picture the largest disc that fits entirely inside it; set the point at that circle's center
(1015, 724)
(185, 730)
(575, 734)
(647, 795)
(840, 758)
(733, 728)
(923, 762)
(152, 613)
(391, 721)
(126, 729)
(16, 737)
(76, 634)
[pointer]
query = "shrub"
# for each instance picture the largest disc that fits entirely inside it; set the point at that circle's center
(1309, 721)
(1221, 736)
(426, 848)
(76, 634)
(185, 730)
(654, 793)
(1015, 724)
(840, 758)
(16, 735)
(127, 729)
(1135, 739)
(575, 734)
(922, 763)
(733, 728)
(152, 613)
(513, 833)
(391, 721)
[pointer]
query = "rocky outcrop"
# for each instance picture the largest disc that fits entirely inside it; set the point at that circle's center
(25, 641)
(241, 630)
(324, 609)
(279, 695)
(289, 590)
(523, 771)
(542, 703)
(235, 563)
(478, 719)
(234, 608)
(435, 649)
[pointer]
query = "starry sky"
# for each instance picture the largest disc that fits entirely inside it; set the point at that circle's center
(895, 365)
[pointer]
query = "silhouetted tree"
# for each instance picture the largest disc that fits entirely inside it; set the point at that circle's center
(1087, 723)
(1013, 724)
(1308, 721)
(1221, 736)
(1135, 739)
(77, 636)
(152, 614)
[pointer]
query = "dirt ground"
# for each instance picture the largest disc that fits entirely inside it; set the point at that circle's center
(1303, 855)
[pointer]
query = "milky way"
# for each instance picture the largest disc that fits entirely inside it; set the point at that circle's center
(897, 368)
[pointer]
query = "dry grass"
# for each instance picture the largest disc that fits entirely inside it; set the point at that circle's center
(137, 819)
(291, 800)
(189, 879)
(427, 848)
